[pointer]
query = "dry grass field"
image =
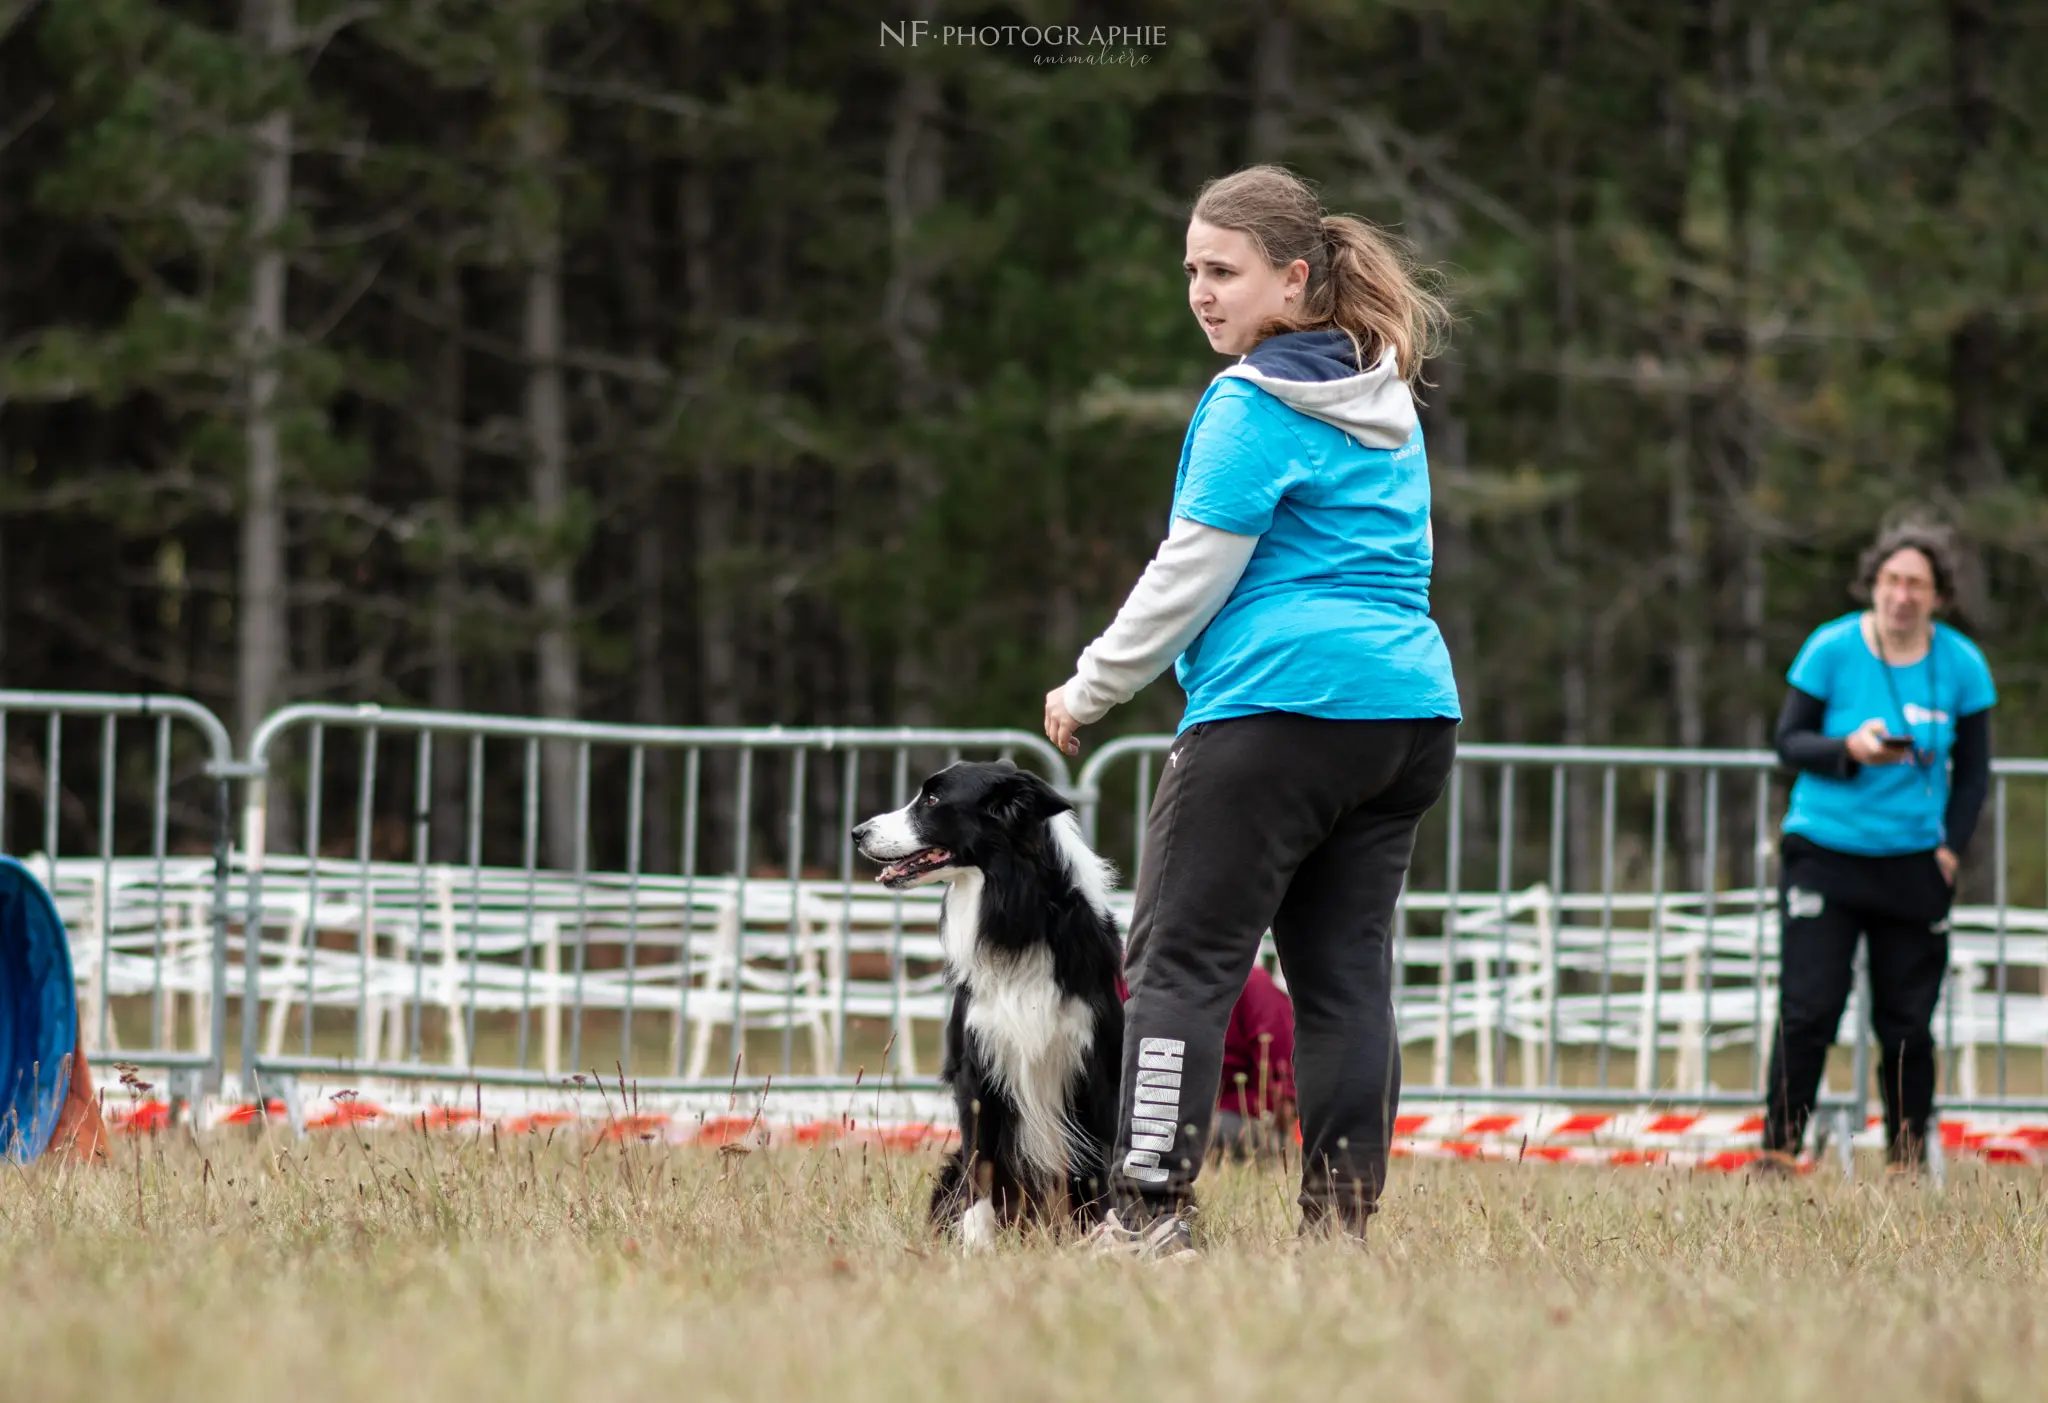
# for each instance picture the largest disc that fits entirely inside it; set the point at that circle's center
(407, 1266)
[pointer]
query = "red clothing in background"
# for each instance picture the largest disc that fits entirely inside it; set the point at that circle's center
(1261, 1008)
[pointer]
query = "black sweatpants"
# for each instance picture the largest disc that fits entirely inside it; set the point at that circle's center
(1828, 900)
(1305, 826)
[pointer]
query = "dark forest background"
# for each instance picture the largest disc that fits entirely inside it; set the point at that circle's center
(723, 362)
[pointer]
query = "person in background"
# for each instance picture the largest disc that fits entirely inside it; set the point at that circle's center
(1889, 725)
(1255, 1104)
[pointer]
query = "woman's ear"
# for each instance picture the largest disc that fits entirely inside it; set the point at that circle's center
(1294, 281)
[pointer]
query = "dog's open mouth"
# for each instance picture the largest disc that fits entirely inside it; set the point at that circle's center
(906, 870)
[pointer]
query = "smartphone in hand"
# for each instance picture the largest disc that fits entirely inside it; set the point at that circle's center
(1896, 743)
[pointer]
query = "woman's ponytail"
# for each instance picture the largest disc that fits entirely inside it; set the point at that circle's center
(1362, 280)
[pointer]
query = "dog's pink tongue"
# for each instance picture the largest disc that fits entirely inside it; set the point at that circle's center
(932, 857)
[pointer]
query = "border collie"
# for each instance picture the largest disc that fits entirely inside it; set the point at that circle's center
(1034, 1046)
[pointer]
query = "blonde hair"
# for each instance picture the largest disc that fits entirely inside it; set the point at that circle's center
(1362, 280)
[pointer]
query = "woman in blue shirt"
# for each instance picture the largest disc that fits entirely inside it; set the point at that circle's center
(1321, 721)
(1889, 725)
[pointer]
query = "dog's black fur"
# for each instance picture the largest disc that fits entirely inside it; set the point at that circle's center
(1040, 889)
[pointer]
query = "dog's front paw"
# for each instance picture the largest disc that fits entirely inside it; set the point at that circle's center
(978, 1228)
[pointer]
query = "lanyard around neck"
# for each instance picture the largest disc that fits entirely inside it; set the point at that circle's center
(1923, 759)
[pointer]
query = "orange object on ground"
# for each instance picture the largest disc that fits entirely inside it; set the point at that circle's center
(81, 1130)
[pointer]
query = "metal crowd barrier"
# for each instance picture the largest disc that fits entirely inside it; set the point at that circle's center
(478, 900)
(491, 960)
(121, 806)
(1570, 903)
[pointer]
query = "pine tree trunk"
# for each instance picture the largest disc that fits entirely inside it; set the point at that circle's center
(1582, 816)
(771, 667)
(646, 488)
(443, 454)
(1686, 534)
(1063, 610)
(650, 580)
(1749, 435)
(547, 441)
(1974, 462)
(714, 516)
(1272, 82)
(912, 183)
(262, 641)
(261, 620)
(651, 548)
(1453, 586)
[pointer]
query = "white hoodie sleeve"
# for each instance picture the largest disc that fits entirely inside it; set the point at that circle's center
(1181, 590)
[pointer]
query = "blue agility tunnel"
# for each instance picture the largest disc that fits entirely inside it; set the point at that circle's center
(38, 1014)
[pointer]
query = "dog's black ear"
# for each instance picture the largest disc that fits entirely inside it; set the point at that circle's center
(1023, 797)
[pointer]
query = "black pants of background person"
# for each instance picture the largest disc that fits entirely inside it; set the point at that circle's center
(1305, 826)
(1827, 901)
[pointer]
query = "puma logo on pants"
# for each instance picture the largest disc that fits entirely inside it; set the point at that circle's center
(1330, 809)
(1155, 1110)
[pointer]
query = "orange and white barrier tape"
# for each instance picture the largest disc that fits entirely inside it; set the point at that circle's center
(1698, 1140)
(1708, 1141)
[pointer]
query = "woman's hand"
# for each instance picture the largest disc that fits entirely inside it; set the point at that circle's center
(1865, 746)
(1948, 862)
(1060, 725)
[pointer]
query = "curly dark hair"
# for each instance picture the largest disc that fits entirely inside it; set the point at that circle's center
(1932, 539)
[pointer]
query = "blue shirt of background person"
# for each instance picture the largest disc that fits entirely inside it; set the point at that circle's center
(1885, 810)
(1331, 615)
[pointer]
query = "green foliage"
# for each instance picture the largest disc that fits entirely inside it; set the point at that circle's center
(1716, 267)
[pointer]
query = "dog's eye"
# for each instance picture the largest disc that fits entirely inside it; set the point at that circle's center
(931, 801)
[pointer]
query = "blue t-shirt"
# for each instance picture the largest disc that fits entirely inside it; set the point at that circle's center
(1331, 617)
(1885, 810)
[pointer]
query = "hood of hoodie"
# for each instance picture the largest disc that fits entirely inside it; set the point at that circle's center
(1316, 373)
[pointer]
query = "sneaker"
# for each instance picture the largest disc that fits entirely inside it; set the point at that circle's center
(1167, 1238)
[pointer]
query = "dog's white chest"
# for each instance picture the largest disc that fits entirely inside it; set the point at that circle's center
(1033, 1037)
(960, 921)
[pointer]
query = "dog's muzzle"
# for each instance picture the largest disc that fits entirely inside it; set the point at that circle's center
(905, 871)
(900, 869)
